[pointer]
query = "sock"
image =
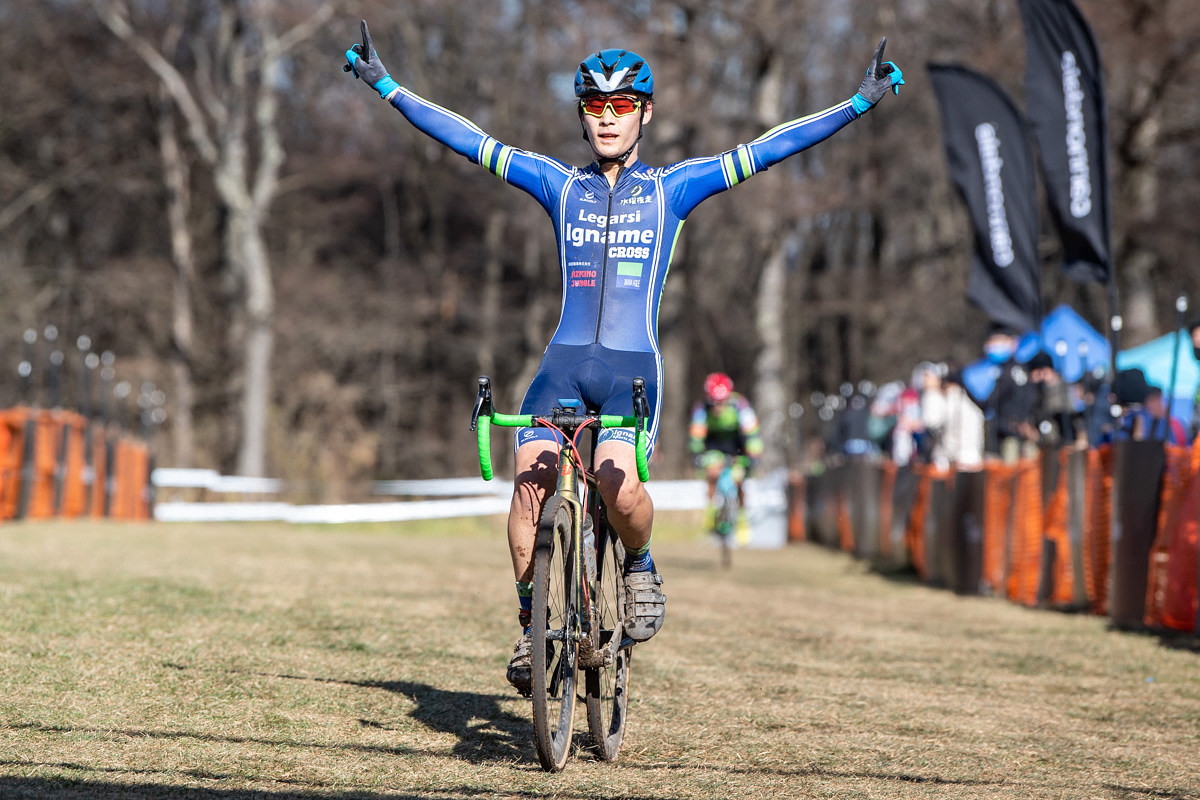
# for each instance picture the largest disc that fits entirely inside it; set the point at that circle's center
(638, 560)
(525, 599)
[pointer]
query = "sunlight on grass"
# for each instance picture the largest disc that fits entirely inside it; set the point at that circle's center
(273, 661)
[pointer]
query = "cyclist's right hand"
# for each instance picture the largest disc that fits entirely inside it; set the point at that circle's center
(363, 61)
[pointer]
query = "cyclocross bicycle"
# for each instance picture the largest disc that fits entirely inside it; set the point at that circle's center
(725, 511)
(578, 619)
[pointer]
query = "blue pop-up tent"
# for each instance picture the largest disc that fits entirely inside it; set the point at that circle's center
(1155, 357)
(1076, 347)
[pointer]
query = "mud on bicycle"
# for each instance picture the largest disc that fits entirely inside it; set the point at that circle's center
(578, 619)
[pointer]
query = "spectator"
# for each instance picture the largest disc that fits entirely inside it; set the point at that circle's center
(1011, 401)
(882, 421)
(1096, 404)
(928, 377)
(962, 436)
(908, 427)
(1050, 422)
(854, 422)
(1158, 427)
(1129, 395)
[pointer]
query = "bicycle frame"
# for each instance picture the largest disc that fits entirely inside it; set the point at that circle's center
(570, 468)
(585, 627)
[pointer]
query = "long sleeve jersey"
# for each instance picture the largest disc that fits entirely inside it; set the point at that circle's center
(615, 243)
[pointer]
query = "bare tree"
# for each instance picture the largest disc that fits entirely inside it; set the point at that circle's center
(231, 106)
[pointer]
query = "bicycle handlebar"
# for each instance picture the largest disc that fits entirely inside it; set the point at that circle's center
(484, 417)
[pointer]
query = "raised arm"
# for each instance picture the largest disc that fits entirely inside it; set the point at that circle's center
(704, 177)
(534, 173)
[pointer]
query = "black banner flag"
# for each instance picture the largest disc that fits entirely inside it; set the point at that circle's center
(991, 163)
(1064, 95)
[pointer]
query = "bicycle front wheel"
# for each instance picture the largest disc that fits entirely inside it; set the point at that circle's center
(607, 684)
(554, 645)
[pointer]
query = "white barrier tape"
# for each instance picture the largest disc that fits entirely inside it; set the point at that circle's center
(667, 496)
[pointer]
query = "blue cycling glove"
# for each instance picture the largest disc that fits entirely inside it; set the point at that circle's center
(881, 76)
(363, 61)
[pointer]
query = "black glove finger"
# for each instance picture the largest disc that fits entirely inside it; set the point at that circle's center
(885, 69)
(358, 49)
(877, 58)
(367, 49)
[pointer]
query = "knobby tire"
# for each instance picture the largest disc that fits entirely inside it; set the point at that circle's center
(607, 686)
(554, 649)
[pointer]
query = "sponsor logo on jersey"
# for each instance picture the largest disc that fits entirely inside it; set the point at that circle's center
(582, 278)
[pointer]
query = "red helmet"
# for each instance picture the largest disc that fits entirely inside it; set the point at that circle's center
(718, 386)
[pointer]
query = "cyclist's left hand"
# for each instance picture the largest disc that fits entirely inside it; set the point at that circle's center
(363, 61)
(881, 76)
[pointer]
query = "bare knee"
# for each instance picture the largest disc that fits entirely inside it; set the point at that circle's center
(621, 490)
(533, 482)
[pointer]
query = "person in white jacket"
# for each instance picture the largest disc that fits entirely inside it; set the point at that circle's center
(962, 436)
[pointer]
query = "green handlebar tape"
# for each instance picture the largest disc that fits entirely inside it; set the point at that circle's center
(484, 431)
(526, 421)
(643, 466)
(513, 420)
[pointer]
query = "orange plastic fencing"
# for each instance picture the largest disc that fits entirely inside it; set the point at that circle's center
(1055, 523)
(119, 508)
(998, 493)
(1097, 526)
(12, 434)
(845, 528)
(98, 502)
(73, 455)
(1025, 540)
(45, 464)
(1171, 583)
(139, 481)
(887, 490)
(797, 525)
(914, 532)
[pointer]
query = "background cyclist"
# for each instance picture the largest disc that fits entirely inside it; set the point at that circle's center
(616, 221)
(724, 427)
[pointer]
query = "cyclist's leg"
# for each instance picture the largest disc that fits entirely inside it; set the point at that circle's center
(631, 513)
(535, 474)
(712, 462)
(536, 459)
(630, 509)
(608, 385)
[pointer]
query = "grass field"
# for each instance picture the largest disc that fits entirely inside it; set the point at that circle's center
(271, 662)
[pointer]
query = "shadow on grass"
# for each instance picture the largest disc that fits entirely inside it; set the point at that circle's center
(484, 730)
(56, 789)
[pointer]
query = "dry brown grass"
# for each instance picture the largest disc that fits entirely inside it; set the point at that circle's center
(271, 662)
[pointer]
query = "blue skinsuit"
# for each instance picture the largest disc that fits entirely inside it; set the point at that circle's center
(614, 248)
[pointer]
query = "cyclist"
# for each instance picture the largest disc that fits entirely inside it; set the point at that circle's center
(616, 222)
(724, 427)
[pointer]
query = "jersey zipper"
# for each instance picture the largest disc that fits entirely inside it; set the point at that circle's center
(612, 190)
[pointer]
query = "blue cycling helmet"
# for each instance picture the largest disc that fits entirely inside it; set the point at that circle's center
(613, 70)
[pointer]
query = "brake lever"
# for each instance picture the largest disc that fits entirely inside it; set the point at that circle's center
(483, 401)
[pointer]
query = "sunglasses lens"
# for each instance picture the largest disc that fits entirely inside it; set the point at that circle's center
(620, 105)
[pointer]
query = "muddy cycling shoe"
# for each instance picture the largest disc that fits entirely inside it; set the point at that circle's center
(520, 666)
(645, 604)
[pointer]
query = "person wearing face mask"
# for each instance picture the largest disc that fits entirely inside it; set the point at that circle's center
(1011, 402)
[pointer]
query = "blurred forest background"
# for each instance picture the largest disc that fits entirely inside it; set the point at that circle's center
(200, 189)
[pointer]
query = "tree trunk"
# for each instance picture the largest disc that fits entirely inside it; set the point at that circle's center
(257, 348)
(770, 384)
(179, 200)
